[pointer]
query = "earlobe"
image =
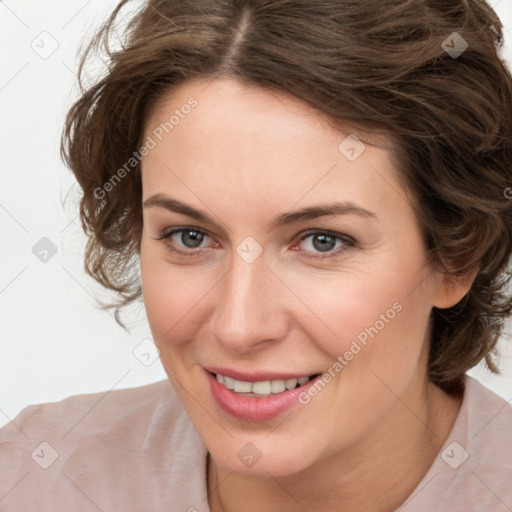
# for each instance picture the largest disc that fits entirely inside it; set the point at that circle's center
(452, 288)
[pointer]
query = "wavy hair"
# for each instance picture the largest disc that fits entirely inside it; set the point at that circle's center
(426, 72)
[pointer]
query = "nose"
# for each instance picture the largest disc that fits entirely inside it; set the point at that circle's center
(250, 311)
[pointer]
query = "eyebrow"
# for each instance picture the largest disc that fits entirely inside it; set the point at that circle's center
(307, 213)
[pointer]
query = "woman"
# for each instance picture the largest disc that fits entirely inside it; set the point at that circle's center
(316, 193)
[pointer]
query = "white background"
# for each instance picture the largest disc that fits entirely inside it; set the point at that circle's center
(55, 341)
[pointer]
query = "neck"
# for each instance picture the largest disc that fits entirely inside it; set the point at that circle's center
(378, 474)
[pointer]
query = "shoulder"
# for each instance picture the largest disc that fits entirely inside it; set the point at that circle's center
(83, 415)
(474, 467)
(479, 455)
(97, 447)
(488, 420)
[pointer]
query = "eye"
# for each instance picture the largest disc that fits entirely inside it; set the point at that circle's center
(319, 244)
(323, 243)
(189, 238)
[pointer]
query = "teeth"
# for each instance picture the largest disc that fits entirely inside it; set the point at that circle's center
(262, 388)
(229, 382)
(278, 386)
(243, 387)
(290, 383)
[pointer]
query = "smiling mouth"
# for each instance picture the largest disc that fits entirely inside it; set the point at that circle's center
(262, 388)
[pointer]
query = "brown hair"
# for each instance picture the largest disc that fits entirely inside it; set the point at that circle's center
(387, 65)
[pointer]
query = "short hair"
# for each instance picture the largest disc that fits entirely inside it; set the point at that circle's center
(427, 73)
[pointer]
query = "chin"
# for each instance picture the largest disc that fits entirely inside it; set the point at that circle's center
(263, 462)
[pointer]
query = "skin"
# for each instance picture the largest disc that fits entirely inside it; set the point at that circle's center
(244, 155)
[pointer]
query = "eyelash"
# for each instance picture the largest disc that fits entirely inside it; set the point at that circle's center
(193, 253)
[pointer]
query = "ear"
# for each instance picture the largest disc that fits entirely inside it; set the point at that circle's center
(451, 289)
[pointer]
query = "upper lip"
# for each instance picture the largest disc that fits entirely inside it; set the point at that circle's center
(256, 376)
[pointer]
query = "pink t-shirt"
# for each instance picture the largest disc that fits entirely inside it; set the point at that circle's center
(137, 450)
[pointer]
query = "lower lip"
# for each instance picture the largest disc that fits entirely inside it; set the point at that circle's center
(255, 408)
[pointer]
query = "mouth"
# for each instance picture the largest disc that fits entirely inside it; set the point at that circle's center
(257, 396)
(262, 388)
(255, 399)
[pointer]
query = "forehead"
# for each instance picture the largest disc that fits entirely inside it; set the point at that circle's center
(226, 136)
(231, 118)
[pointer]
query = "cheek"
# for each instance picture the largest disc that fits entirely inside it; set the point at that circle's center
(376, 350)
(173, 296)
(372, 320)
(162, 291)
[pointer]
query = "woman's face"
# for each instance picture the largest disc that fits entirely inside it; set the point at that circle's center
(253, 289)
